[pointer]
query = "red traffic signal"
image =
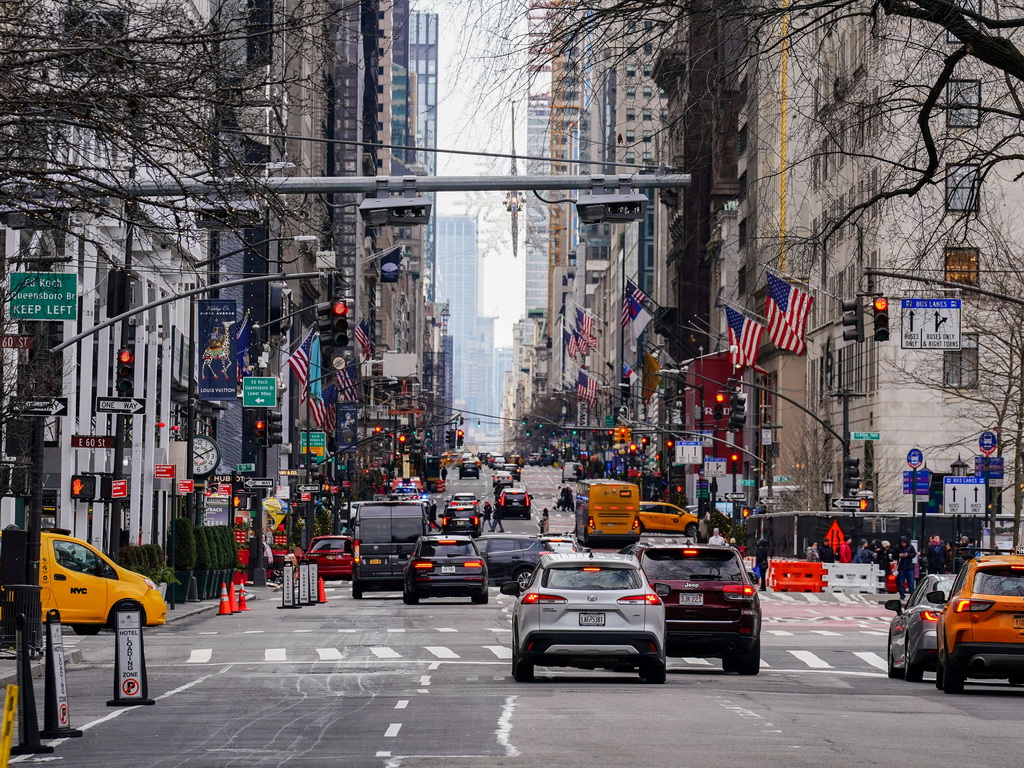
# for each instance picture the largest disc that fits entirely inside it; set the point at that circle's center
(124, 379)
(720, 397)
(402, 438)
(339, 308)
(126, 356)
(881, 304)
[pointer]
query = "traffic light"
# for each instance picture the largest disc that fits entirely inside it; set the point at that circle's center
(881, 323)
(275, 428)
(734, 463)
(339, 323)
(645, 441)
(746, 512)
(853, 320)
(402, 440)
(719, 409)
(851, 484)
(867, 504)
(332, 323)
(125, 373)
(669, 445)
(737, 411)
(242, 502)
(459, 437)
(257, 425)
(84, 487)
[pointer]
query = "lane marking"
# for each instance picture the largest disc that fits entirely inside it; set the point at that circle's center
(873, 633)
(402, 704)
(392, 730)
(780, 633)
(275, 654)
(383, 754)
(394, 630)
(693, 660)
(254, 632)
(500, 651)
(383, 652)
(201, 633)
(442, 652)
(425, 680)
(873, 659)
(825, 633)
(810, 659)
(300, 631)
(446, 629)
(504, 729)
(765, 664)
(200, 655)
(329, 654)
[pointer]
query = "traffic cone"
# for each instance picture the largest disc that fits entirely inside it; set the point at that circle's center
(232, 603)
(321, 592)
(242, 605)
(225, 604)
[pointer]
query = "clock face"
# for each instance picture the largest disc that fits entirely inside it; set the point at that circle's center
(205, 455)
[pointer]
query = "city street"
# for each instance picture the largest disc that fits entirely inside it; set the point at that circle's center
(378, 683)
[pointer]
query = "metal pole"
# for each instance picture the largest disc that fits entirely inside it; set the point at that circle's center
(913, 502)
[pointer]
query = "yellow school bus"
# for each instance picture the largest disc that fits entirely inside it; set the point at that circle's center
(607, 512)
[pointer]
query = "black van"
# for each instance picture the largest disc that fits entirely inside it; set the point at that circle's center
(384, 535)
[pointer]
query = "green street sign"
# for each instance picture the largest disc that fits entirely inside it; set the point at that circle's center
(313, 442)
(44, 296)
(703, 494)
(866, 436)
(609, 420)
(245, 467)
(783, 479)
(259, 392)
(750, 483)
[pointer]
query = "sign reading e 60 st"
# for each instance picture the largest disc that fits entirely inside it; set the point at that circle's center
(44, 296)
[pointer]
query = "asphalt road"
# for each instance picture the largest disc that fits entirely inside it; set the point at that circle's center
(377, 683)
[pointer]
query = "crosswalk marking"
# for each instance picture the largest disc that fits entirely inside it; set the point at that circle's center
(441, 652)
(811, 660)
(699, 662)
(392, 730)
(825, 633)
(275, 654)
(401, 704)
(500, 651)
(874, 633)
(253, 632)
(765, 664)
(382, 652)
(780, 632)
(329, 654)
(200, 655)
(871, 658)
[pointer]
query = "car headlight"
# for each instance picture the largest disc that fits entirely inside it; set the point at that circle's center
(149, 583)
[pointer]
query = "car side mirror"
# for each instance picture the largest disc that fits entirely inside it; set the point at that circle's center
(894, 605)
(938, 596)
(754, 577)
(662, 590)
(510, 588)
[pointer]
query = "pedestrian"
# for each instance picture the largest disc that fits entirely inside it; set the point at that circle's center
(717, 539)
(962, 554)
(295, 556)
(444, 473)
(732, 543)
(761, 560)
(905, 556)
(542, 523)
(825, 552)
(845, 553)
(935, 555)
(885, 558)
(702, 527)
(268, 555)
(812, 555)
(432, 514)
(486, 515)
(496, 519)
(864, 555)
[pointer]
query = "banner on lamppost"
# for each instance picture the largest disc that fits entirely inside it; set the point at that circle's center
(582, 414)
(215, 360)
(347, 437)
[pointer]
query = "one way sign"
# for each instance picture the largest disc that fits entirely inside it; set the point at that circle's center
(129, 405)
(963, 496)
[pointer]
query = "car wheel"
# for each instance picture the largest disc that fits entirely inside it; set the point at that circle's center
(653, 672)
(523, 577)
(86, 629)
(914, 673)
(895, 673)
(409, 599)
(750, 662)
(691, 531)
(952, 679)
(522, 671)
(938, 676)
(357, 591)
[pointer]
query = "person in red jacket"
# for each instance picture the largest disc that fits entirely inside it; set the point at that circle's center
(844, 553)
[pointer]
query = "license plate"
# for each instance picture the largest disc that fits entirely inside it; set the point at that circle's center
(691, 598)
(1018, 622)
(447, 569)
(332, 557)
(376, 561)
(591, 619)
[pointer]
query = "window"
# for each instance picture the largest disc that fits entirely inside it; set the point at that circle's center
(741, 140)
(631, 93)
(969, 5)
(631, 136)
(647, 135)
(630, 71)
(743, 234)
(593, 578)
(963, 99)
(647, 114)
(962, 265)
(630, 157)
(630, 116)
(75, 557)
(962, 182)
(960, 367)
(742, 191)
(647, 93)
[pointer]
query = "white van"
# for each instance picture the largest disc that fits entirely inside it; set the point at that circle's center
(572, 471)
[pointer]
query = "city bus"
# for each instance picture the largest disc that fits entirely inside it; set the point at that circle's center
(607, 512)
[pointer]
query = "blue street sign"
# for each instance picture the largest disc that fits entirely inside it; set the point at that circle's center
(987, 442)
(914, 458)
(995, 467)
(923, 482)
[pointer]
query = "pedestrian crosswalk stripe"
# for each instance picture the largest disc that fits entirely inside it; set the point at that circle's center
(275, 654)
(871, 658)
(765, 664)
(500, 651)
(441, 652)
(873, 633)
(811, 660)
(385, 653)
(779, 632)
(329, 654)
(699, 662)
(825, 633)
(200, 656)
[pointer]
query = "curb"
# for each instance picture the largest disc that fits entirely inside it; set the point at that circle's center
(39, 667)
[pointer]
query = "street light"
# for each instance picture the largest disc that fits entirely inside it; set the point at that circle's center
(959, 467)
(827, 484)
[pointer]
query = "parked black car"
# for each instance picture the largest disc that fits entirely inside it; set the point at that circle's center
(512, 557)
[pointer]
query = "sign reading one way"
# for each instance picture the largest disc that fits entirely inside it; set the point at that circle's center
(930, 324)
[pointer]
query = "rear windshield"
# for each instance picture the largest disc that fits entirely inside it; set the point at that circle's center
(327, 545)
(514, 497)
(593, 577)
(675, 565)
(1004, 581)
(438, 549)
(394, 530)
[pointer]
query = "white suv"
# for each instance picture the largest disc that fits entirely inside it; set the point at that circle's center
(587, 611)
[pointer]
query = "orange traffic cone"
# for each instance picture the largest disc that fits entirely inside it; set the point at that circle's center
(242, 605)
(232, 603)
(225, 604)
(321, 593)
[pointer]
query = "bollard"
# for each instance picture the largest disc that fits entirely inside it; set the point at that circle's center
(56, 717)
(193, 590)
(130, 685)
(28, 724)
(313, 598)
(288, 586)
(303, 583)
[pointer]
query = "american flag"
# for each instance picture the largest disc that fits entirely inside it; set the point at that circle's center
(347, 391)
(632, 302)
(585, 331)
(787, 310)
(586, 388)
(744, 338)
(572, 343)
(325, 412)
(364, 340)
(627, 372)
(299, 360)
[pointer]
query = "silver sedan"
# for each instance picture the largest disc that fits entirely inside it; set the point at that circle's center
(912, 645)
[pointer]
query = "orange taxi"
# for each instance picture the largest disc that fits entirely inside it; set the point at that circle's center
(981, 627)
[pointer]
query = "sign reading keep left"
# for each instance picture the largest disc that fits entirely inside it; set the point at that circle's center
(44, 296)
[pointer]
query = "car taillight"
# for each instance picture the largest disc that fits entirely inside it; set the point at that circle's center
(590, 522)
(650, 598)
(636, 523)
(424, 564)
(689, 551)
(929, 616)
(535, 597)
(738, 592)
(355, 551)
(474, 563)
(474, 520)
(973, 606)
(527, 502)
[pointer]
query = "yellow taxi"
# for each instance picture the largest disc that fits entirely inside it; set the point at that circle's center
(981, 627)
(85, 586)
(663, 517)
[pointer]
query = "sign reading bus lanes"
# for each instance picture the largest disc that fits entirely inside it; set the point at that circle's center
(714, 467)
(133, 406)
(53, 406)
(930, 323)
(963, 496)
(689, 452)
(44, 296)
(259, 392)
